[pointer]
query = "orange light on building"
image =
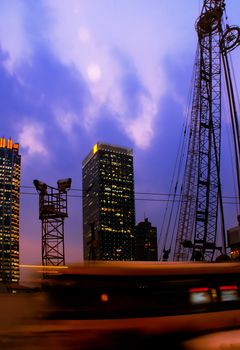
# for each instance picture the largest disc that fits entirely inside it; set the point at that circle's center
(9, 143)
(2, 142)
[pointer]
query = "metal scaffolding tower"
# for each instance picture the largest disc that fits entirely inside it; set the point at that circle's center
(201, 197)
(52, 212)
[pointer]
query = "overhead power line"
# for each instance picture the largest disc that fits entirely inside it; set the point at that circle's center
(136, 193)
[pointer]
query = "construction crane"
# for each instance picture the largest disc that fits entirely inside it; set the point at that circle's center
(201, 206)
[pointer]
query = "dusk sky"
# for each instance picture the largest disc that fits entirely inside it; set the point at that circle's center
(75, 72)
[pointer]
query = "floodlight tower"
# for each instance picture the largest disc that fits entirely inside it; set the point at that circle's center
(52, 212)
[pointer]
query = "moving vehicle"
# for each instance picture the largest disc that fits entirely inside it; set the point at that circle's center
(191, 295)
(125, 305)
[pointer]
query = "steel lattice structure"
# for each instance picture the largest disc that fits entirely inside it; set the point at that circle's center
(201, 190)
(52, 212)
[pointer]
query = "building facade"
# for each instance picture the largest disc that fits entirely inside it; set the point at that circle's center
(108, 204)
(146, 241)
(233, 238)
(10, 170)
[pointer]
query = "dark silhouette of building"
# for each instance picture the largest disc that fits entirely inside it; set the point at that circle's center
(108, 203)
(233, 235)
(146, 241)
(10, 170)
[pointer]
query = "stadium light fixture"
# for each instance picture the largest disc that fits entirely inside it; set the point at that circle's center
(64, 184)
(40, 186)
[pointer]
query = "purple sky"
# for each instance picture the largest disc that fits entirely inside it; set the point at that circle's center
(74, 72)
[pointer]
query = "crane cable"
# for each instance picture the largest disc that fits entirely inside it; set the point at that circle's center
(176, 174)
(233, 115)
(236, 113)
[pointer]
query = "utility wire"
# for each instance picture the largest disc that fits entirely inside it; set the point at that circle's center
(136, 199)
(135, 192)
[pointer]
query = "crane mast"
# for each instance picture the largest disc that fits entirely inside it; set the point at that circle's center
(201, 198)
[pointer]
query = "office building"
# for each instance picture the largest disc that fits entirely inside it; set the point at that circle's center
(108, 203)
(10, 169)
(146, 241)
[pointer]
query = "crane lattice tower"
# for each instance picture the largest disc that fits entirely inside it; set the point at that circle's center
(201, 197)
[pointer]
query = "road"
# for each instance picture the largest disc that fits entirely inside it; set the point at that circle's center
(132, 333)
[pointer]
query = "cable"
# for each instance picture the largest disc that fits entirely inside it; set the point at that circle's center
(136, 199)
(141, 193)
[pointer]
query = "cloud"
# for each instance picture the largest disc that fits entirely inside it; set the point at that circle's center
(83, 34)
(81, 40)
(94, 72)
(31, 139)
(13, 38)
(141, 129)
(66, 120)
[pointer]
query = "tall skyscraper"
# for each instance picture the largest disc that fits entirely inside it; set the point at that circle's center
(108, 203)
(10, 169)
(146, 241)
